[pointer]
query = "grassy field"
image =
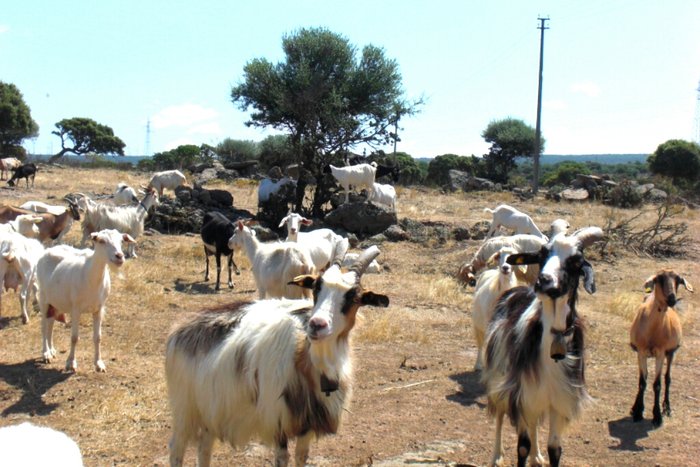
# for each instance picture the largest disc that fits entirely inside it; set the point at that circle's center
(416, 400)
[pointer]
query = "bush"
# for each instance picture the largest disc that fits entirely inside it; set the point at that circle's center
(625, 195)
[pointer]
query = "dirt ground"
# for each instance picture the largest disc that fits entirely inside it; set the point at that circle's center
(417, 400)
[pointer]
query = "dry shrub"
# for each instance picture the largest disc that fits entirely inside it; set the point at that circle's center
(624, 305)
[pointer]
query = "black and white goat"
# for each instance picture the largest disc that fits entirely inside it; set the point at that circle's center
(271, 369)
(534, 348)
(216, 232)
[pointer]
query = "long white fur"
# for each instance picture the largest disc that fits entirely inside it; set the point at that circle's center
(511, 218)
(169, 179)
(384, 194)
(32, 445)
(360, 176)
(40, 206)
(321, 243)
(24, 224)
(521, 243)
(18, 259)
(124, 194)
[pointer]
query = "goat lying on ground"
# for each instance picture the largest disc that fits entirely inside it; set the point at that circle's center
(656, 332)
(534, 362)
(216, 232)
(321, 243)
(275, 370)
(76, 282)
(510, 218)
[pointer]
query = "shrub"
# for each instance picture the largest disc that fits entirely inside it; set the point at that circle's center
(625, 195)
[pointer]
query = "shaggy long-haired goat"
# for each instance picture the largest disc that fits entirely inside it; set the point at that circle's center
(656, 332)
(534, 348)
(272, 369)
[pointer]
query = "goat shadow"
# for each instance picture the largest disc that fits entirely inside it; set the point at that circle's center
(470, 389)
(205, 288)
(34, 381)
(629, 432)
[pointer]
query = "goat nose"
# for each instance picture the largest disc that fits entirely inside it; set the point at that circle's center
(544, 281)
(119, 255)
(317, 324)
(671, 300)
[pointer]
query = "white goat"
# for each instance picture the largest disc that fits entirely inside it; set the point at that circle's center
(269, 187)
(373, 268)
(384, 194)
(274, 370)
(510, 218)
(24, 224)
(7, 164)
(169, 179)
(558, 226)
(274, 265)
(39, 206)
(360, 176)
(126, 219)
(18, 259)
(19, 447)
(489, 288)
(76, 282)
(321, 243)
(124, 194)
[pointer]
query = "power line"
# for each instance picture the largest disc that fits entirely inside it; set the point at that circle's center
(538, 129)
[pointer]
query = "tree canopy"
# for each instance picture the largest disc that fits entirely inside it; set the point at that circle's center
(16, 123)
(326, 96)
(510, 138)
(83, 135)
(676, 158)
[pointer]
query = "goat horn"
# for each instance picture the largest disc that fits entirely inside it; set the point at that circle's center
(338, 254)
(589, 235)
(362, 262)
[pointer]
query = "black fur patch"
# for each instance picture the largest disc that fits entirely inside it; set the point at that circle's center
(307, 410)
(208, 328)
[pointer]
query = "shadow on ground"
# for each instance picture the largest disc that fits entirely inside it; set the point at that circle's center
(34, 381)
(470, 390)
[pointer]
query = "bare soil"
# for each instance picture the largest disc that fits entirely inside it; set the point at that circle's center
(416, 397)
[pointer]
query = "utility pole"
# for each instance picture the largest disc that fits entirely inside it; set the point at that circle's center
(538, 130)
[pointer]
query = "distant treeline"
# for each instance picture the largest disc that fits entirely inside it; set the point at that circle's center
(604, 159)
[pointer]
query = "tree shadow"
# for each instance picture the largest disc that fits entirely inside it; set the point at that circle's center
(629, 432)
(34, 381)
(470, 390)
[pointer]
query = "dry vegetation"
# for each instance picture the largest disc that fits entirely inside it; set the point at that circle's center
(416, 398)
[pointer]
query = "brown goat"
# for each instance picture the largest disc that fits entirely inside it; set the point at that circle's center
(656, 332)
(51, 225)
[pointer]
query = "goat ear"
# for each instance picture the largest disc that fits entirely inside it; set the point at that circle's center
(494, 259)
(523, 258)
(239, 225)
(283, 221)
(128, 238)
(95, 237)
(588, 277)
(649, 284)
(306, 221)
(306, 282)
(681, 281)
(374, 299)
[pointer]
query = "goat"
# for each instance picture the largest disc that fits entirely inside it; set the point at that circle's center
(521, 243)
(18, 259)
(510, 218)
(25, 171)
(7, 164)
(360, 176)
(385, 195)
(656, 332)
(558, 226)
(373, 268)
(76, 282)
(391, 171)
(19, 446)
(321, 243)
(124, 194)
(534, 361)
(52, 227)
(39, 206)
(491, 285)
(270, 187)
(126, 219)
(274, 265)
(216, 232)
(24, 224)
(275, 370)
(169, 179)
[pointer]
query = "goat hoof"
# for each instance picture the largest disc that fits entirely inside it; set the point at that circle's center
(238, 273)
(657, 422)
(72, 366)
(230, 286)
(100, 366)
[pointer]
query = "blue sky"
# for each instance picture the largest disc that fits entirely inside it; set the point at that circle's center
(620, 76)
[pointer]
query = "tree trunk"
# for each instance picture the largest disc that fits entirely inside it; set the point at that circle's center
(59, 155)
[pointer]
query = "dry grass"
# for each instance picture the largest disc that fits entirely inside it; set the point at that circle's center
(414, 384)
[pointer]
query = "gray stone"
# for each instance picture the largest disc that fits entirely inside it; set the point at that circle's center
(396, 234)
(221, 198)
(361, 218)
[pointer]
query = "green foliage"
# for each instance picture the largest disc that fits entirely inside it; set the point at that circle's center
(87, 136)
(564, 173)
(274, 151)
(180, 158)
(440, 166)
(412, 173)
(237, 150)
(325, 96)
(677, 159)
(16, 123)
(625, 195)
(510, 138)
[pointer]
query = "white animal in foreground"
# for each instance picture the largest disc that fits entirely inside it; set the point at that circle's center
(169, 179)
(360, 176)
(321, 243)
(31, 445)
(24, 224)
(273, 370)
(18, 259)
(274, 265)
(75, 282)
(510, 218)
(384, 194)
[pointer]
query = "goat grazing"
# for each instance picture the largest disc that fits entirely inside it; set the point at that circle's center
(384, 195)
(510, 218)
(656, 332)
(216, 232)
(18, 259)
(25, 171)
(321, 243)
(360, 176)
(19, 447)
(169, 179)
(491, 285)
(124, 194)
(76, 282)
(534, 362)
(7, 164)
(274, 265)
(275, 370)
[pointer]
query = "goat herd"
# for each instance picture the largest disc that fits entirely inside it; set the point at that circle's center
(280, 368)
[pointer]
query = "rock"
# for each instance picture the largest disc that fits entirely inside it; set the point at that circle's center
(459, 180)
(361, 218)
(479, 230)
(183, 194)
(657, 196)
(575, 194)
(221, 198)
(396, 234)
(643, 190)
(481, 184)
(264, 234)
(461, 233)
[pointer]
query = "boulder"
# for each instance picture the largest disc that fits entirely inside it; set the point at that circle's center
(221, 198)
(364, 219)
(575, 194)
(458, 180)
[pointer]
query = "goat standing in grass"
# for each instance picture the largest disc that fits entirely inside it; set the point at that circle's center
(534, 363)
(76, 282)
(217, 229)
(275, 370)
(510, 218)
(656, 332)
(321, 243)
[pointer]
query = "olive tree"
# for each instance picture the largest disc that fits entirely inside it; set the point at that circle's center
(81, 136)
(16, 123)
(510, 138)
